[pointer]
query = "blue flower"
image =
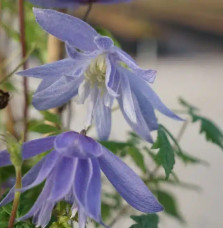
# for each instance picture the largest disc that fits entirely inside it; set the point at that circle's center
(94, 71)
(72, 173)
(71, 3)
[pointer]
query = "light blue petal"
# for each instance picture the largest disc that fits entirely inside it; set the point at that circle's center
(141, 88)
(147, 75)
(88, 187)
(104, 43)
(128, 184)
(29, 149)
(26, 180)
(94, 192)
(47, 166)
(35, 210)
(140, 127)
(127, 99)
(57, 94)
(144, 107)
(51, 70)
(64, 177)
(67, 28)
(112, 77)
(73, 144)
(82, 218)
(102, 117)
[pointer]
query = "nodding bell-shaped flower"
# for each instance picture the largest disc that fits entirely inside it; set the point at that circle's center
(71, 3)
(94, 72)
(71, 172)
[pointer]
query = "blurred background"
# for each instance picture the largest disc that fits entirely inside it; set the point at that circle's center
(183, 41)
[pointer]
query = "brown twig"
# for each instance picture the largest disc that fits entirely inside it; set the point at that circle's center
(25, 80)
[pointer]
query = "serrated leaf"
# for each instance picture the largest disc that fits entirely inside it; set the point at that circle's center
(165, 155)
(169, 203)
(137, 157)
(145, 221)
(211, 131)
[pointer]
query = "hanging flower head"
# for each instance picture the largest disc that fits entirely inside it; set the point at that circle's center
(95, 73)
(72, 173)
(71, 3)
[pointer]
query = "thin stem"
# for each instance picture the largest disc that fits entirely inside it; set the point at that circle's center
(25, 80)
(15, 205)
(88, 11)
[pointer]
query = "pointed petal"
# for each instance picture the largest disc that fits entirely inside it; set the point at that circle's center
(94, 192)
(141, 88)
(45, 214)
(140, 127)
(127, 99)
(112, 78)
(102, 117)
(88, 187)
(67, 28)
(51, 70)
(57, 94)
(47, 166)
(29, 149)
(35, 210)
(147, 75)
(64, 178)
(128, 184)
(82, 218)
(104, 43)
(26, 180)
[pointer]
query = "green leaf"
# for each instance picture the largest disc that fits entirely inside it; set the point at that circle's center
(169, 203)
(51, 117)
(145, 221)
(165, 155)
(114, 146)
(44, 129)
(137, 157)
(210, 130)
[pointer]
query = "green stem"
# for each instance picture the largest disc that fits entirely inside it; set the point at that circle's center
(15, 205)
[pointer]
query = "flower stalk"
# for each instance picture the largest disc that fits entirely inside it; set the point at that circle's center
(25, 80)
(15, 205)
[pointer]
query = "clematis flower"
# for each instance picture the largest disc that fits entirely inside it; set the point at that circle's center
(95, 73)
(71, 3)
(72, 172)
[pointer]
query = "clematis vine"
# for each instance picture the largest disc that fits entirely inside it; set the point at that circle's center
(71, 172)
(71, 3)
(97, 72)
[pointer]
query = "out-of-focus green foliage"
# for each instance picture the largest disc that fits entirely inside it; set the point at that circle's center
(145, 221)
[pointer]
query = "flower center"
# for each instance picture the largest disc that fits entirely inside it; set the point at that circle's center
(96, 72)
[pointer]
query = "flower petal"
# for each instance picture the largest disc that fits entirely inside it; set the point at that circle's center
(102, 117)
(128, 184)
(88, 187)
(77, 145)
(143, 89)
(47, 166)
(112, 77)
(57, 94)
(67, 28)
(63, 179)
(35, 210)
(51, 70)
(147, 75)
(26, 180)
(127, 100)
(29, 149)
